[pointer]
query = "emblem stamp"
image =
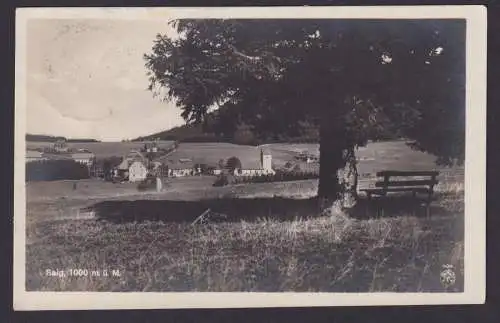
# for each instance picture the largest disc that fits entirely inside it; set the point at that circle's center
(447, 276)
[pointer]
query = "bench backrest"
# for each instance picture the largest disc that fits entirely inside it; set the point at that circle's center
(429, 180)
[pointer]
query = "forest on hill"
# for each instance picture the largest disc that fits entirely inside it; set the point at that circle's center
(244, 135)
(47, 138)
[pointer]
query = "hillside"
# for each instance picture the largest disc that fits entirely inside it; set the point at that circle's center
(243, 136)
(47, 138)
(188, 132)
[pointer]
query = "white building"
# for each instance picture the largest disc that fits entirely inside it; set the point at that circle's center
(182, 167)
(137, 172)
(265, 167)
(84, 158)
(133, 167)
(308, 158)
(61, 146)
(151, 147)
(181, 172)
(33, 155)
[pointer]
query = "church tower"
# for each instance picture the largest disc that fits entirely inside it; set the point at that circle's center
(266, 160)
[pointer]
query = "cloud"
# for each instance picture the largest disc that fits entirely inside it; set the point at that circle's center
(46, 114)
(89, 76)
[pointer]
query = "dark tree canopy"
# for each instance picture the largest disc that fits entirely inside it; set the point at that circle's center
(354, 79)
(277, 74)
(233, 163)
(55, 170)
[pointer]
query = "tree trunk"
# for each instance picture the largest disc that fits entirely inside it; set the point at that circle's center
(337, 189)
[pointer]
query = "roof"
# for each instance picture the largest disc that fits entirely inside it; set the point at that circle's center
(151, 144)
(131, 157)
(33, 154)
(253, 163)
(126, 163)
(305, 167)
(58, 156)
(136, 162)
(179, 164)
(123, 165)
(82, 155)
(135, 155)
(257, 168)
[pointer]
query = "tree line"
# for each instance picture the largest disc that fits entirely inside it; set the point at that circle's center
(47, 138)
(54, 170)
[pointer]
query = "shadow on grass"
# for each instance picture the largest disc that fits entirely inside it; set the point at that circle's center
(232, 209)
(398, 205)
(238, 209)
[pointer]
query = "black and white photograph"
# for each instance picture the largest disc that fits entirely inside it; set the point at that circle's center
(249, 157)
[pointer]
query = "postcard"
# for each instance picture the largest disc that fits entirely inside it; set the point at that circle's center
(249, 157)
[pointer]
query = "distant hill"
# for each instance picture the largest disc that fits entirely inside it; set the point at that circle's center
(46, 138)
(243, 136)
(188, 132)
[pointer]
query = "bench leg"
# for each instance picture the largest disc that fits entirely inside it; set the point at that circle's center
(380, 207)
(368, 203)
(415, 207)
(384, 202)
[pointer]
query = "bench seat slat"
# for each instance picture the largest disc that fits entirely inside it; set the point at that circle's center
(405, 183)
(406, 173)
(389, 190)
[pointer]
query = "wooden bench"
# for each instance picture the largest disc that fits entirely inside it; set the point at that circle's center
(407, 183)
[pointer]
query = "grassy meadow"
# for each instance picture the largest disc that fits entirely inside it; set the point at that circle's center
(100, 149)
(271, 239)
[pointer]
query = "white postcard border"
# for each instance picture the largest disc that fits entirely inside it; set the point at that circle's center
(475, 176)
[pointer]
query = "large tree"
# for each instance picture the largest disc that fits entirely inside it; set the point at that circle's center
(351, 78)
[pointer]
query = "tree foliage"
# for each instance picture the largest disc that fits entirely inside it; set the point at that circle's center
(54, 170)
(107, 165)
(233, 163)
(354, 79)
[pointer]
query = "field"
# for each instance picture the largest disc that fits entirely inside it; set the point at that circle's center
(272, 239)
(374, 157)
(100, 149)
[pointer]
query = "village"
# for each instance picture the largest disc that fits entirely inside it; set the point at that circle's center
(154, 160)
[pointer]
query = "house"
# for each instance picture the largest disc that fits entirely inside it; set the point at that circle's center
(308, 158)
(180, 172)
(263, 168)
(178, 167)
(182, 167)
(85, 158)
(312, 159)
(61, 146)
(137, 172)
(308, 167)
(33, 155)
(134, 167)
(151, 147)
(131, 170)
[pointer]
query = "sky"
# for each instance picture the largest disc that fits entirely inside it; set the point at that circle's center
(86, 79)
